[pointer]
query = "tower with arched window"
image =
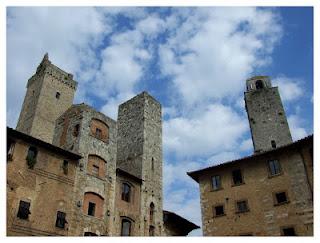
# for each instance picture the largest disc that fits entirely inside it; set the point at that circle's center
(267, 118)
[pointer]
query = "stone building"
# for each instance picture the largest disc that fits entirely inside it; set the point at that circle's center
(101, 176)
(269, 193)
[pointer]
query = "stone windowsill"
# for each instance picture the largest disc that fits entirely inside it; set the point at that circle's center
(282, 203)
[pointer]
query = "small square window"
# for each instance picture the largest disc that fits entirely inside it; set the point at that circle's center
(288, 231)
(237, 177)
(219, 210)
(281, 197)
(274, 167)
(58, 95)
(61, 220)
(273, 144)
(216, 182)
(242, 206)
(23, 212)
(91, 208)
(95, 170)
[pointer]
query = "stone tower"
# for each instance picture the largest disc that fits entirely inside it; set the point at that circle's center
(139, 153)
(50, 92)
(267, 118)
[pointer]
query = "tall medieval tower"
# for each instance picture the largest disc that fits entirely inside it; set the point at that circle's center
(267, 118)
(50, 92)
(139, 153)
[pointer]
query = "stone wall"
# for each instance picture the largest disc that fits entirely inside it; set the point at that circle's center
(42, 106)
(264, 216)
(87, 145)
(267, 117)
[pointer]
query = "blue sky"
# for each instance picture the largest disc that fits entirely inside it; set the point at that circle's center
(193, 60)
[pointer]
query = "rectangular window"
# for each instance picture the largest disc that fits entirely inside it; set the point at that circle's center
(289, 231)
(274, 167)
(237, 177)
(91, 208)
(95, 170)
(65, 167)
(23, 212)
(281, 197)
(126, 189)
(61, 220)
(219, 210)
(98, 133)
(10, 148)
(242, 206)
(216, 182)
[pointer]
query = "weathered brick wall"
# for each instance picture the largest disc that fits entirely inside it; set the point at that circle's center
(264, 218)
(266, 116)
(45, 186)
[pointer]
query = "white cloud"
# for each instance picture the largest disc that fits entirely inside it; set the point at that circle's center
(217, 128)
(290, 89)
(213, 53)
(295, 124)
(151, 25)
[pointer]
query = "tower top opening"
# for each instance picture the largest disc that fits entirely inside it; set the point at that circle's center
(258, 82)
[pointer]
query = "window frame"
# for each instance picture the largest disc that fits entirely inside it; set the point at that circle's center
(21, 214)
(288, 227)
(123, 196)
(276, 203)
(93, 210)
(242, 178)
(269, 168)
(220, 186)
(126, 220)
(215, 215)
(237, 206)
(59, 224)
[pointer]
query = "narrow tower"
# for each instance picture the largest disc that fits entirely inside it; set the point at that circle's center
(50, 92)
(139, 153)
(267, 118)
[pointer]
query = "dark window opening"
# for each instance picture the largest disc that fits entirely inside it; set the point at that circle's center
(237, 177)
(281, 197)
(289, 231)
(58, 95)
(76, 130)
(32, 152)
(216, 182)
(152, 164)
(91, 208)
(125, 227)
(23, 212)
(65, 167)
(89, 234)
(273, 144)
(61, 220)
(219, 210)
(125, 192)
(242, 206)
(151, 211)
(259, 84)
(151, 230)
(274, 167)
(98, 133)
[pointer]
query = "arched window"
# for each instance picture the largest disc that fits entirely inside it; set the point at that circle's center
(151, 212)
(259, 84)
(125, 227)
(126, 191)
(96, 166)
(93, 204)
(32, 157)
(99, 129)
(151, 230)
